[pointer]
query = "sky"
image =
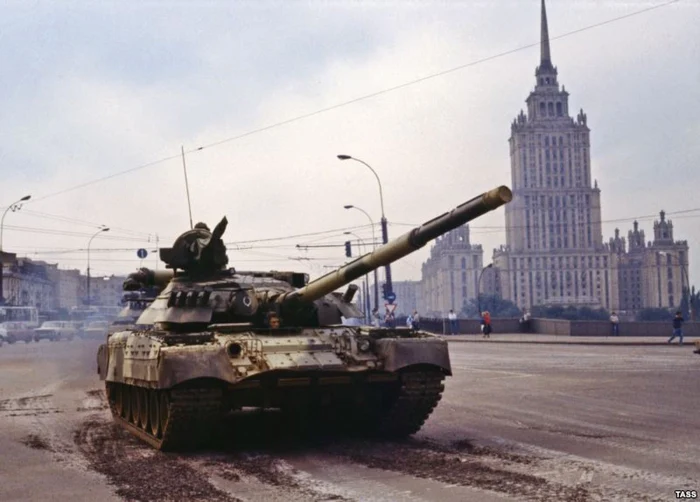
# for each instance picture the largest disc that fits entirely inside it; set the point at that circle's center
(98, 98)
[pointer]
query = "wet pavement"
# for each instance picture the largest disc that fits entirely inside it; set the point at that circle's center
(518, 421)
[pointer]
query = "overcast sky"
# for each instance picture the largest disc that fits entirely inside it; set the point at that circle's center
(90, 90)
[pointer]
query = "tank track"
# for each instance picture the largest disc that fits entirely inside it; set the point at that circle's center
(418, 395)
(185, 416)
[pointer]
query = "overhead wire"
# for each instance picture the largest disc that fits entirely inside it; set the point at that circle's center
(351, 101)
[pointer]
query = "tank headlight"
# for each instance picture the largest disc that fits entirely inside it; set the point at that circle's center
(363, 345)
(234, 350)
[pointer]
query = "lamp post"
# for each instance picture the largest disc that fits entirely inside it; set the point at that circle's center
(366, 285)
(374, 246)
(685, 284)
(478, 287)
(385, 231)
(104, 229)
(15, 206)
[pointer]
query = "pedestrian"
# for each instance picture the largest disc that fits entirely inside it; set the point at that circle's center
(677, 328)
(486, 324)
(415, 318)
(409, 321)
(376, 318)
(525, 321)
(615, 322)
(390, 320)
(454, 327)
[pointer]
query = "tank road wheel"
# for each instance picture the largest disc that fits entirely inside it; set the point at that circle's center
(135, 405)
(154, 414)
(126, 402)
(163, 409)
(143, 408)
(113, 391)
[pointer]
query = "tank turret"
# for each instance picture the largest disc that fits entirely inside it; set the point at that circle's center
(198, 251)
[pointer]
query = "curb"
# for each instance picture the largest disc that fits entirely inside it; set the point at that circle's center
(554, 342)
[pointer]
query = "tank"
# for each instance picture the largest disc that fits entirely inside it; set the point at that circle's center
(216, 339)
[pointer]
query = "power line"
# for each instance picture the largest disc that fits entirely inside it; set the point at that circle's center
(352, 101)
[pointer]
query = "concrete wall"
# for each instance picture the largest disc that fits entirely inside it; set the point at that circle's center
(564, 328)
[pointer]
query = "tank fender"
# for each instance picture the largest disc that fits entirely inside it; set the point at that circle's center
(179, 364)
(398, 353)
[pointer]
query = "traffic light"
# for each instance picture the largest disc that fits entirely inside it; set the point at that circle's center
(348, 249)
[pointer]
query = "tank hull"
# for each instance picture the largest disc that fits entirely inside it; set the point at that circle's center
(161, 390)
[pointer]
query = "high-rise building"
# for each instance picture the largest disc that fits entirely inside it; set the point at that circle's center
(554, 250)
(449, 277)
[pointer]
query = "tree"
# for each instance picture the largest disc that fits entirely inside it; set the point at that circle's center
(497, 307)
(654, 314)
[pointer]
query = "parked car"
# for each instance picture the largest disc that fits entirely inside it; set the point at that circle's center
(96, 330)
(57, 330)
(12, 331)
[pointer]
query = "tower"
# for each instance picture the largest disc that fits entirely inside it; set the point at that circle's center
(554, 249)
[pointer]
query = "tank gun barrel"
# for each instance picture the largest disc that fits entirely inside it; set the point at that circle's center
(401, 246)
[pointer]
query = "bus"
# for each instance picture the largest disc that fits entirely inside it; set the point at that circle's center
(27, 315)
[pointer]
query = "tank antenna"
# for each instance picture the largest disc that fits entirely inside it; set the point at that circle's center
(187, 185)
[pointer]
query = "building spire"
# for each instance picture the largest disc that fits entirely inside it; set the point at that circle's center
(545, 58)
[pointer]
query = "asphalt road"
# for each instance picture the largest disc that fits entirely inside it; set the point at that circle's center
(517, 422)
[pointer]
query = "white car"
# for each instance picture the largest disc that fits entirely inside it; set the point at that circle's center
(57, 330)
(12, 331)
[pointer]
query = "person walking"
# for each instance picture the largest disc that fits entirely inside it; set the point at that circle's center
(486, 324)
(615, 321)
(677, 328)
(454, 327)
(376, 319)
(415, 320)
(525, 321)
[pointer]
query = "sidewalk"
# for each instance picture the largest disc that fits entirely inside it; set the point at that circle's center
(688, 341)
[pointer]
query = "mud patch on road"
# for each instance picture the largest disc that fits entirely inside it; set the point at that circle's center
(36, 442)
(468, 446)
(479, 469)
(28, 406)
(95, 401)
(140, 473)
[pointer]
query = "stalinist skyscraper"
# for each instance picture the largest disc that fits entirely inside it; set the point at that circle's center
(554, 250)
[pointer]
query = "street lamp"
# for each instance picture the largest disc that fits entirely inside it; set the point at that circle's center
(104, 229)
(374, 246)
(385, 232)
(366, 287)
(15, 206)
(478, 287)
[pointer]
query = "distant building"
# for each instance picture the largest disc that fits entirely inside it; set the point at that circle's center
(554, 252)
(106, 290)
(69, 288)
(651, 274)
(408, 296)
(449, 276)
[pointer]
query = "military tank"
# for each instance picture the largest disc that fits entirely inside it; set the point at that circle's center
(216, 340)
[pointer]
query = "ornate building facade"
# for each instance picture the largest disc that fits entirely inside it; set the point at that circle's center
(554, 250)
(449, 277)
(654, 273)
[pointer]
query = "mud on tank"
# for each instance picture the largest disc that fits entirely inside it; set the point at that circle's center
(216, 339)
